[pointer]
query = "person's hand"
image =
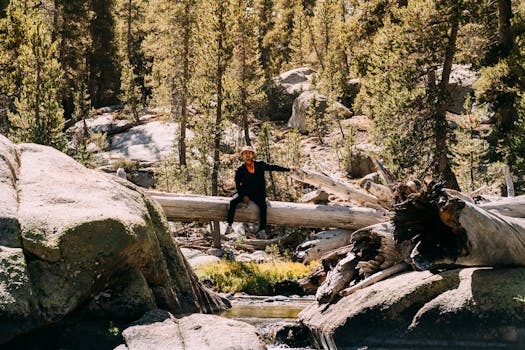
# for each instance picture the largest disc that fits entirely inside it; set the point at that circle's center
(293, 168)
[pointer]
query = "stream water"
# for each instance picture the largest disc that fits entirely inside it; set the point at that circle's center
(267, 313)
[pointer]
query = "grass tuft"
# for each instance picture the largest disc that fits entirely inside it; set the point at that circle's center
(269, 278)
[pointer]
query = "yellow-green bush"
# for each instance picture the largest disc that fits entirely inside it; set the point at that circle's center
(267, 278)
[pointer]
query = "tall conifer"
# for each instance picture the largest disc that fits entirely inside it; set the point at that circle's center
(247, 76)
(173, 40)
(38, 115)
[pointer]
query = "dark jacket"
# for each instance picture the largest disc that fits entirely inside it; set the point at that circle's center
(253, 185)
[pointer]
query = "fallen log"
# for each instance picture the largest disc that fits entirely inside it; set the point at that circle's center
(509, 206)
(440, 230)
(321, 243)
(343, 190)
(256, 244)
(381, 192)
(181, 207)
(337, 279)
(371, 250)
(433, 228)
(314, 279)
(384, 172)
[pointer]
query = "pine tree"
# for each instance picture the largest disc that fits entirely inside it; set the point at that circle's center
(38, 115)
(173, 38)
(72, 31)
(214, 58)
(247, 76)
(405, 92)
(130, 35)
(264, 11)
(300, 50)
(11, 38)
(215, 24)
(277, 39)
(104, 68)
(333, 77)
(502, 80)
(470, 150)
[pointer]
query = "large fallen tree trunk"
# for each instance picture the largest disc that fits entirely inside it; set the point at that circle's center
(205, 208)
(436, 229)
(511, 206)
(433, 228)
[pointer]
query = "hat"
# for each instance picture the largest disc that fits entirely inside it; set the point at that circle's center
(247, 149)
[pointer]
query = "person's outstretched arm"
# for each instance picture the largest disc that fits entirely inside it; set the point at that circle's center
(275, 167)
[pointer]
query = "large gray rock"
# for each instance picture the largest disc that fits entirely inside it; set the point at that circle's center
(106, 123)
(461, 83)
(149, 142)
(159, 330)
(297, 80)
(302, 103)
(300, 109)
(144, 147)
(69, 234)
(465, 308)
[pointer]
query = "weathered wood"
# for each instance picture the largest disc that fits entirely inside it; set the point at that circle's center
(384, 172)
(381, 192)
(439, 229)
(508, 181)
(376, 277)
(179, 207)
(314, 279)
(321, 243)
(509, 206)
(337, 279)
(371, 249)
(343, 190)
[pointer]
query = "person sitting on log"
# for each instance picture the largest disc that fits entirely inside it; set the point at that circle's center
(251, 185)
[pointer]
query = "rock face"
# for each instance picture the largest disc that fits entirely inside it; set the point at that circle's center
(159, 330)
(300, 109)
(465, 308)
(297, 80)
(461, 84)
(71, 237)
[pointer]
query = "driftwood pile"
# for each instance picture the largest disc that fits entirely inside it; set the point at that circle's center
(430, 227)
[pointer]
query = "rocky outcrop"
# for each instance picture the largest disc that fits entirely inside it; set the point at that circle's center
(159, 330)
(300, 109)
(461, 84)
(106, 123)
(71, 238)
(297, 80)
(467, 308)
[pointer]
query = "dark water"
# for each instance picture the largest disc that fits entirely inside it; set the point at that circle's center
(266, 312)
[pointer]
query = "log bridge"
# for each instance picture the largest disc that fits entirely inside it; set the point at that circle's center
(187, 207)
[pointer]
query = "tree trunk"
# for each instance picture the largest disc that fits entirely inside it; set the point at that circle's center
(442, 162)
(132, 97)
(505, 37)
(185, 84)
(202, 208)
(506, 111)
(218, 114)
